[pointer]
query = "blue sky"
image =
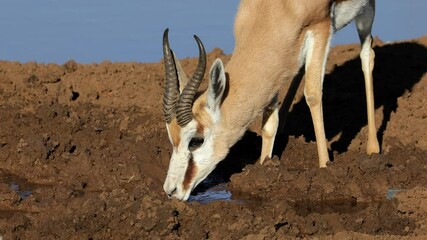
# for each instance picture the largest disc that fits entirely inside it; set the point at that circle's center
(97, 30)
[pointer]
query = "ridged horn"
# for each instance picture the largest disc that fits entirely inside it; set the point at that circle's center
(183, 109)
(171, 93)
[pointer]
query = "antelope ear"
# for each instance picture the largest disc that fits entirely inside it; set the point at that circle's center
(216, 85)
(182, 77)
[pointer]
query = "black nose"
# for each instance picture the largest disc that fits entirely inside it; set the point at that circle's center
(171, 193)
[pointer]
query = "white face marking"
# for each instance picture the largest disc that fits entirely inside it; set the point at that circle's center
(190, 166)
(179, 182)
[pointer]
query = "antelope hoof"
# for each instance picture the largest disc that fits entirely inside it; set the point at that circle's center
(373, 147)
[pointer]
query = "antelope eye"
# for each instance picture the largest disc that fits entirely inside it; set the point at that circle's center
(195, 143)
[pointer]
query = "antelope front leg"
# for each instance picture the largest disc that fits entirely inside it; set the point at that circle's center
(317, 47)
(270, 122)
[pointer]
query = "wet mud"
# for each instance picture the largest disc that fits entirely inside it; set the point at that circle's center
(84, 152)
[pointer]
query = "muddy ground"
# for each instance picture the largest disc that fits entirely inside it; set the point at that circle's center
(84, 152)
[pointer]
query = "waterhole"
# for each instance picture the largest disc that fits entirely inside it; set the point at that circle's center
(391, 193)
(215, 193)
(20, 185)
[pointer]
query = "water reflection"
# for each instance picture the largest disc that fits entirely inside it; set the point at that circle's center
(216, 193)
(20, 185)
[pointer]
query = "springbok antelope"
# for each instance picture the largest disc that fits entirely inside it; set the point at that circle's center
(274, 39)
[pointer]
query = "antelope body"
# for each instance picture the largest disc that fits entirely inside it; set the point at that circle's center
(274, 39)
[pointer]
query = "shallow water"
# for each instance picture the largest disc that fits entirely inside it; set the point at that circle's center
(18, 184)
(216, 193)
(391, 193)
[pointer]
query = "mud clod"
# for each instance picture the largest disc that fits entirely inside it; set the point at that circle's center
(84, 153)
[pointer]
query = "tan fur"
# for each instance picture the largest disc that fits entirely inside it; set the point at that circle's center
(174, 131)
(200, 115)
(269, 41)
(274, 39)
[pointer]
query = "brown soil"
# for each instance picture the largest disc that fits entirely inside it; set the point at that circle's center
(84, 152)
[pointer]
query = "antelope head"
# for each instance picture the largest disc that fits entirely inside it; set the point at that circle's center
(191, 121)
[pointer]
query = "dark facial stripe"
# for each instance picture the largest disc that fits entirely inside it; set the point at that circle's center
(189, 173)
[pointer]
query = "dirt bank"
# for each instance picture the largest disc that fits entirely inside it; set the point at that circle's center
(84, 152)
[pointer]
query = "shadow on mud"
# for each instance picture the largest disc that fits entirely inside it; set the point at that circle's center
(244, 152)
(398, 67)
(341, 206)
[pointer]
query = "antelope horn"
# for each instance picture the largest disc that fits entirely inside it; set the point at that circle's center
(171, 94)
(183, 109)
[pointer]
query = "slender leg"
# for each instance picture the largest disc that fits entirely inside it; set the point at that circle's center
(270, 122)
(367, 55)
(317, 43)
(287, 101)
